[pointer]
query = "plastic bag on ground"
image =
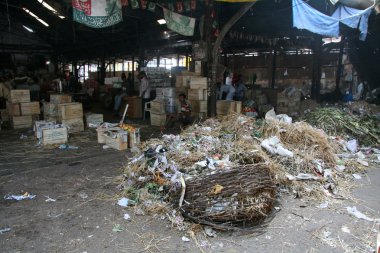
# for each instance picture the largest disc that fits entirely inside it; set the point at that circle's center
(273, 146)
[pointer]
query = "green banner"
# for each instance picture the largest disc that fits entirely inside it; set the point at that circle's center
(179, 23)
(97, 14)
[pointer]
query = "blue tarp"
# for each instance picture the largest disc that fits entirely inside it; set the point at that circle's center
(306, 17)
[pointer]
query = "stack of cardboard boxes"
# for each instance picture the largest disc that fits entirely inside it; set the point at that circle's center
(21, 111)
(197, 95)
(225, 107)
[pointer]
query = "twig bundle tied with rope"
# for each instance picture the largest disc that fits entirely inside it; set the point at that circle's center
(241, 197)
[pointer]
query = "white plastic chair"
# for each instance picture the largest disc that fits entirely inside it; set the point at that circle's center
(147, 108)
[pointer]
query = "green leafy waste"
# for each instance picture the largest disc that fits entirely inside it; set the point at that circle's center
(335, 122)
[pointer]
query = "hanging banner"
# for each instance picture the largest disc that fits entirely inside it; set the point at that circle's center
(97, 14)
(179, 23)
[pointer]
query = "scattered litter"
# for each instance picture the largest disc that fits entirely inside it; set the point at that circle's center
(83, 195)
(352, 145)
(268, 237)
(4, 230)
(302, 176)
(117, 228)
(124, 202)
(67, 147)
(340, 168)
(22, 137)
(106, 147)
(353, 211)
(127, 216)
(323, 205)
(26, 195)
(345, 229)
(185, 239)
(273, 146)
(48, 199)
(210, 232)
(216, 189)
(277, 208)
(362, 162)
(357, 176)
(139, 211)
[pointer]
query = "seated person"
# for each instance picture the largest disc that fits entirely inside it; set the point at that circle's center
(184, 113)
(119, 97)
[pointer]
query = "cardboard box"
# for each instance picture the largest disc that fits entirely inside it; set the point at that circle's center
(101, 131)
(157, 119)
(60, 98)
(197, 94)
(198, 83)
(74, 125)
(158, 106)
(14, 109)
(19, 96)
(70, 111)
(22, 122)
(54, 136)
(30, 108)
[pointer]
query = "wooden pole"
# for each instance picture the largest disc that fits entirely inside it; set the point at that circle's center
(213, 54)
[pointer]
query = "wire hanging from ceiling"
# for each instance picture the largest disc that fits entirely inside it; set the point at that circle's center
(9, 20)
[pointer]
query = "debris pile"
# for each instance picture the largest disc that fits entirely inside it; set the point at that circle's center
(225, 172)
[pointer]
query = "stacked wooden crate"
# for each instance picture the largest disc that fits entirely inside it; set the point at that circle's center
(51, 109)
(62, 110)
(225, 107)
(288, 104)
(71, 115)
(158, 112)
(21, 111)
(261, 101)
(197, 96)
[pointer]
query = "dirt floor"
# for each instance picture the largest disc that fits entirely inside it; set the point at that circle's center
(84, 184)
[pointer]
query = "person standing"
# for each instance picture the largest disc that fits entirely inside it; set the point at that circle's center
(240, 89)
(129, 84)
(144, 88)
(227, 88)
(122, 93)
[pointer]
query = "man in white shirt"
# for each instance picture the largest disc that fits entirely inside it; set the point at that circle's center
(228, 88)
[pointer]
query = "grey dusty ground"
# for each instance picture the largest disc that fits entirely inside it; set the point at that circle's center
(82, 218)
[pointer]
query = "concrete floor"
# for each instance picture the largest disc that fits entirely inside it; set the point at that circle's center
(84, 181)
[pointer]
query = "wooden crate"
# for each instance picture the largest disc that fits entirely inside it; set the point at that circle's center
(197, 94)
(51, 118)
(54, 136)
(134, 108)
(157, 106)
(224, 107)
(134, 138)
(22, 121)
(14, 109)
(157, 119)
(19, 96)
(101, 131)
(39, 125)
(4, 115)
(198, 83)
(119, 143)
(203, 106)
(50, 109)
(30, 108)
(70, 111)
(60, 98)
(74, 125)
(94, 119)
